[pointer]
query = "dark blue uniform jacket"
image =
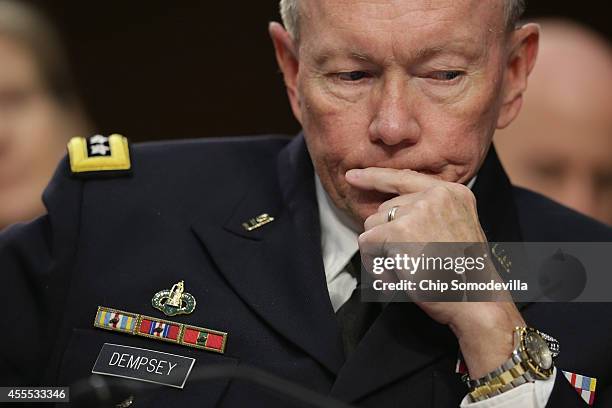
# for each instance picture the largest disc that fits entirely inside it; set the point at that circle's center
(115, 241)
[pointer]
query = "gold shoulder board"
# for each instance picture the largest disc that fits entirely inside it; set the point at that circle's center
(99, 154)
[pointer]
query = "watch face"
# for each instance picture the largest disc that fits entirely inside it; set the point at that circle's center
(538, 350)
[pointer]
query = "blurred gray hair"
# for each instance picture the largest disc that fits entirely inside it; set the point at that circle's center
(290, 13)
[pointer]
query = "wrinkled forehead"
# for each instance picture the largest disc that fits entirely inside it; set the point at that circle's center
(404, 22)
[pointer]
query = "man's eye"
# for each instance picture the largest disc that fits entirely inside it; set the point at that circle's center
(352, 76)
(445, 75)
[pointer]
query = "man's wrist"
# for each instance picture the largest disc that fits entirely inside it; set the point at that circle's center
(486, 337)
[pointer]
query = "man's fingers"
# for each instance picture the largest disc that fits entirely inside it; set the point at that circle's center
(380, 218)
(403, 204)
(390, 180)
(399, 201)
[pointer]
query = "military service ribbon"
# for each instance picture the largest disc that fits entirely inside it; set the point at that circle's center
(159, 329)
(585, 386)
(204, 339)
(116, 320)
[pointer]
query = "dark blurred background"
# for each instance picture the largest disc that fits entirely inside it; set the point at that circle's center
(153, 71)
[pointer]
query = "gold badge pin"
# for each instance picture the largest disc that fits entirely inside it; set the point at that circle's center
(257, 222)
(174, 301)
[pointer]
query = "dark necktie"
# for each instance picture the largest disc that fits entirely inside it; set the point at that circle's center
(355, 317)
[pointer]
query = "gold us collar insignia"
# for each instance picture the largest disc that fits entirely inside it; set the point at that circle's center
(257, 222)
(174, 301)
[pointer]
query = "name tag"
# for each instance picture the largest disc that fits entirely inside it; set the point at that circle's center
(143, 365)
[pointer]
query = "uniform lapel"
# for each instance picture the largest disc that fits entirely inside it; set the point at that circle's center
(402, 341)
(277, 269)
(494, 197)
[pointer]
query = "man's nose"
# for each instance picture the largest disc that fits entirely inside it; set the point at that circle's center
(394, 121)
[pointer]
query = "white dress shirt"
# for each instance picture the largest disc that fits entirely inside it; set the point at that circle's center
(339, 244)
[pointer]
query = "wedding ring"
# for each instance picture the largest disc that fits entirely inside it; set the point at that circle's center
(391, 213)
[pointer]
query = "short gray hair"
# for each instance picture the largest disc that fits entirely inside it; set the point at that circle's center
(290, 13)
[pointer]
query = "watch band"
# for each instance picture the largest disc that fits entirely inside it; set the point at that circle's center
(509, 375)
(553, 344)
(515, 371)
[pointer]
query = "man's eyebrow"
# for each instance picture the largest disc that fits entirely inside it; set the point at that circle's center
(360, 56)
(427, 53)
(325, 56)
(461, 49)
(422, 54)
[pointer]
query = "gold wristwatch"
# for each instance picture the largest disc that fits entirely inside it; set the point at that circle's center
(532, 359)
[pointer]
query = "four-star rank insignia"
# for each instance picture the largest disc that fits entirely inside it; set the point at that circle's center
(99, 155)
(174, 301)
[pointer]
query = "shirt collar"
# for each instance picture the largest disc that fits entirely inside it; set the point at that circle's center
(338, 240)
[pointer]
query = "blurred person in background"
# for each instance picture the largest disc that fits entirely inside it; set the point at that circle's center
(39, 110)
(561, 143)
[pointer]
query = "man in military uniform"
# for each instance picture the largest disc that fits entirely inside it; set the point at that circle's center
(398, 102)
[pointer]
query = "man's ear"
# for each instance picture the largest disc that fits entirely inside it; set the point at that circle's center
(287, 59)
(520, 62)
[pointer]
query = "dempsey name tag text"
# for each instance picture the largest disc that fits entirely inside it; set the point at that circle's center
(143, 365)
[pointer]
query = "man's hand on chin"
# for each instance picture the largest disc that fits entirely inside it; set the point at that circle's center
(432, 210)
